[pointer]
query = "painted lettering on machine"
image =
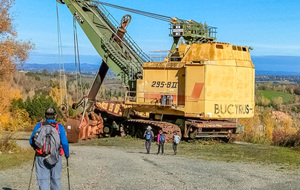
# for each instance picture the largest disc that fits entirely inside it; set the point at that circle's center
(233, 109)
(162, 84)
(78, 18)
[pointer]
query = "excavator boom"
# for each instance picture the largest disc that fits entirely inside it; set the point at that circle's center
(121, 54)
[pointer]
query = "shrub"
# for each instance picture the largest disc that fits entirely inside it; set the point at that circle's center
(7, 143)
(281, 138)
(297, 90)
(277, 102)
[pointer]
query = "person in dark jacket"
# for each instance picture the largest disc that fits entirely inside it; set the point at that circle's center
(45, 171)
(161, 140)
(148, 135)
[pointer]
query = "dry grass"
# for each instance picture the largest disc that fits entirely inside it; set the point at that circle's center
(14, 159)
(11, 155)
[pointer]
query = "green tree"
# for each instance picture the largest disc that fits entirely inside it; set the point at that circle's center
(37, 105)
(18, 104)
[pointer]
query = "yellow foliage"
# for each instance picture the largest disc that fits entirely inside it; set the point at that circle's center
(56, 94)
(268, 122)
(4, 119)
(287, 126)
(251, 126)
(15, 119)
(7, 94)
(19, 120)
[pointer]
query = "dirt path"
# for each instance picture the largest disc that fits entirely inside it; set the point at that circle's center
(111, 168)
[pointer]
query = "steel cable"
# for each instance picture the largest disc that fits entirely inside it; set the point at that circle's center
(77, 59)
(63, 82)
(144, 13)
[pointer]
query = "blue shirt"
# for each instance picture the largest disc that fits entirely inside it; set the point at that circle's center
(62, 135)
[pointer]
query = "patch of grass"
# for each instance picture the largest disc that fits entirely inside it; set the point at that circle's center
(215, 151)
(9, 160)
(271, 94)
(241, 152)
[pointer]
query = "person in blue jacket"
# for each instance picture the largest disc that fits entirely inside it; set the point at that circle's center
(45, 171)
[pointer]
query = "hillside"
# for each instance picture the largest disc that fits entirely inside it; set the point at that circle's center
(272, 94)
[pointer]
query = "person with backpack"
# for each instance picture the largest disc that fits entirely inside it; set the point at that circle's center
(176, 140)
(50, 142)
(161, 140)
(148, 135)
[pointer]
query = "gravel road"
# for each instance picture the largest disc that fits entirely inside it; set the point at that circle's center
(114, 168)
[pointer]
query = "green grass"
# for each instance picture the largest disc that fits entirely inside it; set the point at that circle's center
(243, 153)
(271, 94)
(211, 150)
(9, 160)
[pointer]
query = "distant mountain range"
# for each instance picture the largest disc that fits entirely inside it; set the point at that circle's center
(264, 65)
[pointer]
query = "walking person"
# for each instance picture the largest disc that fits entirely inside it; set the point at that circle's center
(176, 140)
(50, 142)
(161, 139)
(148, 135)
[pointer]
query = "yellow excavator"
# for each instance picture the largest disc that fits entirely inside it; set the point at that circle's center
(199, 88)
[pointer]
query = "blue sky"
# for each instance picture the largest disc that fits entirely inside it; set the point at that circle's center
(270, 26)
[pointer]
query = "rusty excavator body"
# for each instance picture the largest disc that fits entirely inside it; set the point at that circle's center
(199, 88)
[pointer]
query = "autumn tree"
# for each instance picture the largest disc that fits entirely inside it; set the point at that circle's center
(12, 51)
(268, 122)
(251, 126)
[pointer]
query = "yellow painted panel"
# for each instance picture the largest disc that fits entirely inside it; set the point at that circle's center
(241, 63)
(219, 82)
(182, 49)
(199, 52)
(193, 75)
(221, 62)
(140, 91)
(158, 82)
(152, 80)
(194, 100)
(245, 84)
